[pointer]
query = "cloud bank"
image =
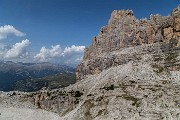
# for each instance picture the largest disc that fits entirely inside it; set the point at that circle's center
(73, 49)
(47, 54)
(7, 30)
(18, 50)
(70, 55)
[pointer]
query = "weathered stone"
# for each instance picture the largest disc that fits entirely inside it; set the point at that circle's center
(124, 30)
(168, 33)
(131, 71)
(177, 21)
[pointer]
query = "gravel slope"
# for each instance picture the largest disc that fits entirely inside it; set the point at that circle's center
(26, 114)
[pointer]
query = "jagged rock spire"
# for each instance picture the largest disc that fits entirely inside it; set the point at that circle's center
(124, 30)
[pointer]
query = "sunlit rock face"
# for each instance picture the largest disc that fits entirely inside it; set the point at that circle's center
(123, 31)
(130, 72)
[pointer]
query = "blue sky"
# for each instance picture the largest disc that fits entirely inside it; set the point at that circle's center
(63, 23)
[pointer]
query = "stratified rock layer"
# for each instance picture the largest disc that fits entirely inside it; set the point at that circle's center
(124, 30)
(138, 66)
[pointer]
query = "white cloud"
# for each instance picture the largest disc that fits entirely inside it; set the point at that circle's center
(79, 59)
(73, 55)
(18, 50)
(7, 30)
(46, 54)
(70, 55)
(73, 49)
(55, 51)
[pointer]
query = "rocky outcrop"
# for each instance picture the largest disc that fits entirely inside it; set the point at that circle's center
(59, 101)
(138, 74)
(138, 90)
(123, 31)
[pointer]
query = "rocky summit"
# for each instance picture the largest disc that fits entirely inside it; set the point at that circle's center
(158, 34)
(131, 71)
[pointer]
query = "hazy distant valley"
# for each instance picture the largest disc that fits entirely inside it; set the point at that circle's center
(131, 71)
(34, 76)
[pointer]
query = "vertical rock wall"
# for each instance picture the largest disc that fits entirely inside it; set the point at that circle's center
(123, 31)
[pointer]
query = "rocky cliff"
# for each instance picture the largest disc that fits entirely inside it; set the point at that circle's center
(123, 31)
(130, 72)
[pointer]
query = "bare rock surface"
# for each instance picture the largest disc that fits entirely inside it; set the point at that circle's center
(123, 31)
(130, 72)
(26, 114)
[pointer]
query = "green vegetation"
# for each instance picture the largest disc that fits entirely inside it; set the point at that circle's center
(51, 82)
(157, 58)
(88, 105)
(102, 112)
(136, 101)
(166, 61)
(173, 42)
(171, 57)
(177, 102)
(111, 87)
(24, 73)
(78, 94)
(158, 69)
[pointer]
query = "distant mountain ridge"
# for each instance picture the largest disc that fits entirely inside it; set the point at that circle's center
(126, 74)
(11, 72)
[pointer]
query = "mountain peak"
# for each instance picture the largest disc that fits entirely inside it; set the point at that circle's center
(123, 31)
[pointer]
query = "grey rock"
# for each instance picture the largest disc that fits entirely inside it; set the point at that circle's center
(123, 31)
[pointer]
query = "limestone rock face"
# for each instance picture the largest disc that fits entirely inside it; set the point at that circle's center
(141, 89)
(124, 30)
(130, 72)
